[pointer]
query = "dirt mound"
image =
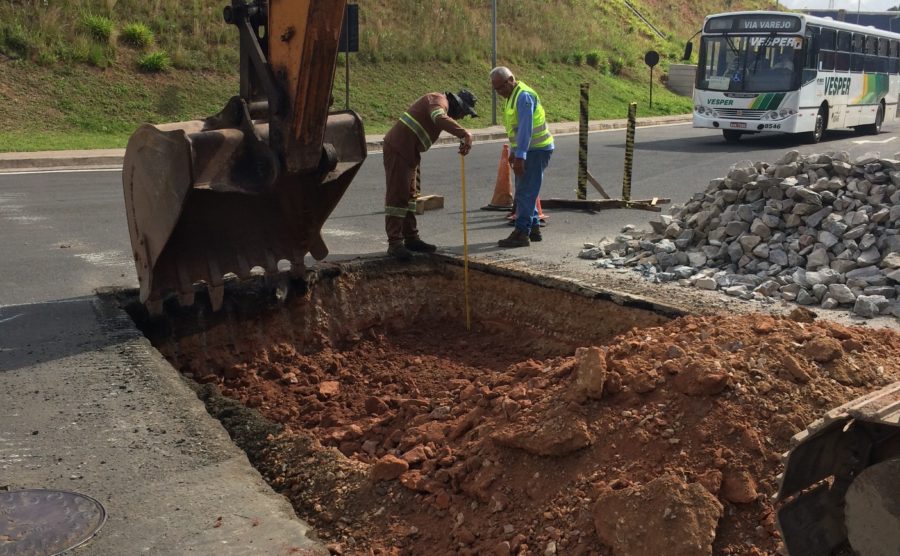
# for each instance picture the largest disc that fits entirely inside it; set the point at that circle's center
(450, 443)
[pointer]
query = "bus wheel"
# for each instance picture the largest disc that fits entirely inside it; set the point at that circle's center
(816, 134)
(731, 135)
(874, 129)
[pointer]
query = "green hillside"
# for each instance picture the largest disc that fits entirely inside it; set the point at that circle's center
(84, 74)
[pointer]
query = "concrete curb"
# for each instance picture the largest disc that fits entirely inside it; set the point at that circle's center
(112, 158)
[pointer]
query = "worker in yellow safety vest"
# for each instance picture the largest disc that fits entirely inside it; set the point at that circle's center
(530, 145)
(404, 144)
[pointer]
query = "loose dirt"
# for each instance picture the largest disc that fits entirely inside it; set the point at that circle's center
(435, 440)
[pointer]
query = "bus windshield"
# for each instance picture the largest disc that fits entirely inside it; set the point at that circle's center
(750, 63)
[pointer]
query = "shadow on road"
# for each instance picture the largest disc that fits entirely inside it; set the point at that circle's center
(45, 332)
(716, 144)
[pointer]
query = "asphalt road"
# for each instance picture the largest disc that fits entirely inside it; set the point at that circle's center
(64, 233)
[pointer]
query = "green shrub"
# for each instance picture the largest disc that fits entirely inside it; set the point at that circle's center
(46, 57)
(593, 58)
(98, 27)
(96, 56)
(577, 58)
(137, 35)
(15, 41)
(183, 59)
(154, 62)
(616, 65)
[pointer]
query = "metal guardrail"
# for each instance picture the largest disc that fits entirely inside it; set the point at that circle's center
(644, 19)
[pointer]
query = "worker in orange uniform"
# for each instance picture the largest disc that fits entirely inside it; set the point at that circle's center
(404, 144)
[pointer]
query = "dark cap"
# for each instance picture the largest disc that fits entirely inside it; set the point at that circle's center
(462, 103)
(468, 99)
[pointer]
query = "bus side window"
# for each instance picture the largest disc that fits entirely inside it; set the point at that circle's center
(873, 63)
(894, 54)
(884, 62)
(842, 56)
(823, 50)
(858, 56)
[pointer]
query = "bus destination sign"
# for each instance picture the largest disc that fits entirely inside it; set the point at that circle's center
(753, 23)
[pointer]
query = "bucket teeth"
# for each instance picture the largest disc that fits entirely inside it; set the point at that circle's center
(216, 284)
(244, 267)
(216, 296)
(271, 263)
(186, 298)
(298, 268)
(154, 306)
(318, 249)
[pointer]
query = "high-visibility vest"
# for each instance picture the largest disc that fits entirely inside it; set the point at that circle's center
(540, 135)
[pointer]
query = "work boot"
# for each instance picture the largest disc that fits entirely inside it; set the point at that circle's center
(416, 244)
(400, 252)
(535, 234)
(516, 239)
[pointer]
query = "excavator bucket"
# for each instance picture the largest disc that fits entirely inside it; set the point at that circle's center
(254, 184)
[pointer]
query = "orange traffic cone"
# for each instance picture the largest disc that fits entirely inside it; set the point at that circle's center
(502, 199)
(540, 211)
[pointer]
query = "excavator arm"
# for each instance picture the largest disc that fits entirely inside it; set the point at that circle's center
(252, 185)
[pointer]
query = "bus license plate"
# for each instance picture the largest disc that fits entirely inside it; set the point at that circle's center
(741, 125)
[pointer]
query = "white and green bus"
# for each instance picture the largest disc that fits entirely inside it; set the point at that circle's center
(762, 72)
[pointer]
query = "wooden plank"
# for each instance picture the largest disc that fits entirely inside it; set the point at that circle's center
(597, 185)
(429, 202)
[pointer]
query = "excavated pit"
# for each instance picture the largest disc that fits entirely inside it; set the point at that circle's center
(394, 430)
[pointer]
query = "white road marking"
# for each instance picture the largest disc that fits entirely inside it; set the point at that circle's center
(57, 302)
(882, 142)
(70, 171)
(106, 258)
(26, 219)
(14, 317)
(341, 233)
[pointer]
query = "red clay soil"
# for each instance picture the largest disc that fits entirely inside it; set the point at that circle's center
(666, 441)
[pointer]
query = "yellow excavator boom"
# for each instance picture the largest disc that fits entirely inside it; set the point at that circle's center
(252, 185)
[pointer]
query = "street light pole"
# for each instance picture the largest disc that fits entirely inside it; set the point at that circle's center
(493, 59)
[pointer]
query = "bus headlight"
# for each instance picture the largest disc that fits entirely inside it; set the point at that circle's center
(706, 111)
(779, 114)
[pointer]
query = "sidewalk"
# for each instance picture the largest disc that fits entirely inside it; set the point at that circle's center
(87, 405)
(111, 158)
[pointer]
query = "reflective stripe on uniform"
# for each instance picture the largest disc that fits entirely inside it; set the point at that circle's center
(435, 114)
(401, 211)
(416, 128)
(534, 130)
(396, 211)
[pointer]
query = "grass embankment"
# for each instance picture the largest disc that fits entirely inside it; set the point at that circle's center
(85, 74)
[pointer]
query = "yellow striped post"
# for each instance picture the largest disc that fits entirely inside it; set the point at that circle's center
(629, 151)
(583, 143)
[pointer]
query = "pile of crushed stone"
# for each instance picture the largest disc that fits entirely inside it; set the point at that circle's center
(818, 230)
(665, 441)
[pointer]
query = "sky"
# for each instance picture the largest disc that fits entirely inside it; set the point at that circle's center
(849, 5)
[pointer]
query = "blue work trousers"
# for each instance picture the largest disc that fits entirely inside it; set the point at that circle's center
(528, 187)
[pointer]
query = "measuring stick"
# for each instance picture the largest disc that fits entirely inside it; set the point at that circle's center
(462, 173)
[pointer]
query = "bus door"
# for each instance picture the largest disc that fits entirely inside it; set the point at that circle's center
(831, 63)
(856, 92)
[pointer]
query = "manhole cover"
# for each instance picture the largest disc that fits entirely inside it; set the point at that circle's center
(45, 522)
